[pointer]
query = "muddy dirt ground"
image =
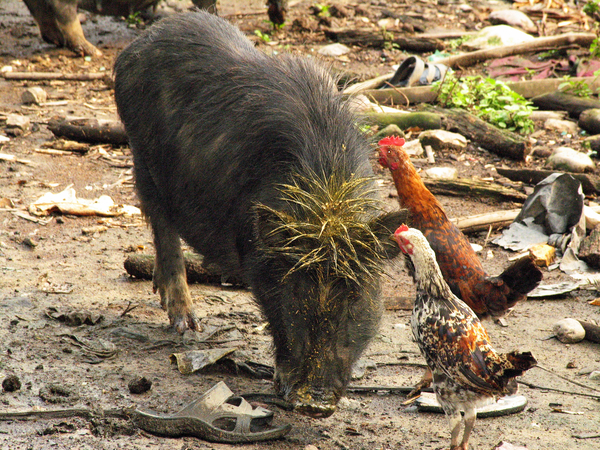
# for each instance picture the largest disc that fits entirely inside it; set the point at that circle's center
(70, 263)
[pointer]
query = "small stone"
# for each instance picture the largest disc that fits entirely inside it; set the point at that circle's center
(139, 385)
(443, 140)
(562, 126)
(18, 121)
(11, 383)
(413, 148)
(349, 404)
(390, 130)
(513, 18)
(568, 331)
(497, 36)
(595, 375)
(34, 94)
(334, 50)
(311, 447)
(569, 160)
(441, 173)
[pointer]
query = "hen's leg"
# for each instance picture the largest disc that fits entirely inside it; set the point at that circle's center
(470, 416)
(454, 419)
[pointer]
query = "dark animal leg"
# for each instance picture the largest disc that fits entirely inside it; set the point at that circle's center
(169, 275)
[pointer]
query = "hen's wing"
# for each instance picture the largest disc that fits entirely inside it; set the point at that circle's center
(454, 341)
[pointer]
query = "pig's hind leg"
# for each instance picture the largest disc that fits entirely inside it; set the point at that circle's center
(169, 268)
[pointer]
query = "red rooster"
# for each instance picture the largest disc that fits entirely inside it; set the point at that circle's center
(460, 266)
(458, 262)
(467, 371)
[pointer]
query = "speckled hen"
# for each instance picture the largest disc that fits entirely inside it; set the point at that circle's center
(467, 371)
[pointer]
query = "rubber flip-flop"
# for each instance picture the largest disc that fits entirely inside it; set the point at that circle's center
(432, 73)
(511, 404)
(217, 416)
(408, 73)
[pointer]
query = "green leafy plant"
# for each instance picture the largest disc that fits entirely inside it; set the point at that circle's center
(489, 99)
(263, 36)
(595, 48)
(456, 43)
(578, 88)
(592, 7)
(323, 9)
(134, 19)
(388, 40)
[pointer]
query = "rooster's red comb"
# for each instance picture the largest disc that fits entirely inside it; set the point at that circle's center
(400, 229)
(396, 141)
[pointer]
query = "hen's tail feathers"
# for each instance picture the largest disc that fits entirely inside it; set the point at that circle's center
(521, 362)
(518, 280)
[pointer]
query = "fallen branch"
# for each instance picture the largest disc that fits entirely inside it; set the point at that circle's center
(535, 386)
(465, 187)
(378, 39)
(142, 266)
(89, 130)
(479, 222)
(119, 413)
(427, 94)
(55, 76)
(561, 101)
(422, 120)
(501, 142)
(589, 183)
(537, 44)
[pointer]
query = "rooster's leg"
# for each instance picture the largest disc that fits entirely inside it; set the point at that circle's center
(424, 383)
(470, 416)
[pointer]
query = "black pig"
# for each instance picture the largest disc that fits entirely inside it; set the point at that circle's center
(257, 162)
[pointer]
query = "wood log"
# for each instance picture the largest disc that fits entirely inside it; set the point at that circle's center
(501, 142)
(561, 101)
(466, 187)
(589, 120)
(89, 130)
(142, 267)
(589, 183)
(592, 331)
(422, 120)
(368, 38)
(594, 144)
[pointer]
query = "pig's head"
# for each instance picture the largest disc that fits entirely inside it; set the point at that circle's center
(317, 281)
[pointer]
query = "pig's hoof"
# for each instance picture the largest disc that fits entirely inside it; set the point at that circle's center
(186, 321)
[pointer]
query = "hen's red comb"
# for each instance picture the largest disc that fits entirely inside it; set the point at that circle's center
(400, 229)
(396, 141)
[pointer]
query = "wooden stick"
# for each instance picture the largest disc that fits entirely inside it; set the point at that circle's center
(55, 76)
(479, 222)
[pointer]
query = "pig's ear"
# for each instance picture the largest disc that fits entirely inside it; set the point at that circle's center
(383, 228)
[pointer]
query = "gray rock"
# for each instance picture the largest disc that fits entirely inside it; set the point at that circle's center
(569, 160)
(441, 173)
(562, 126)
(443, 140)
(390, 130)
(34, 94)
(17, 121)
(497, 36)
(513, 18)
(334, 50)
(595, 375)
